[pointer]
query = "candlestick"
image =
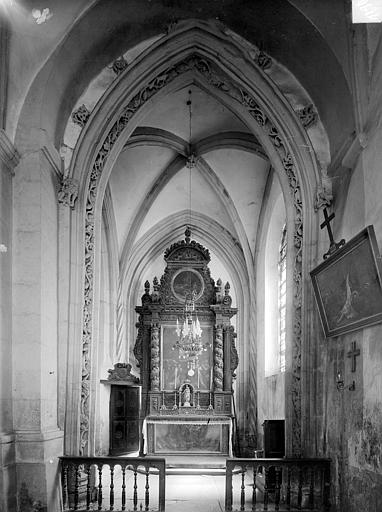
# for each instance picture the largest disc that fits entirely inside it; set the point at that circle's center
(175, 406)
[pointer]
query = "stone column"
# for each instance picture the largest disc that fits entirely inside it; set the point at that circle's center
(8, 160)
(39, 441)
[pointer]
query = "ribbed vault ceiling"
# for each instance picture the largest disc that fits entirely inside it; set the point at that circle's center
(150, 181)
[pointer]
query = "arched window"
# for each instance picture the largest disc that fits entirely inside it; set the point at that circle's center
(282, 297)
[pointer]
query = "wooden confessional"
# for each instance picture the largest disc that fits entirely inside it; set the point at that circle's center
(186, 388)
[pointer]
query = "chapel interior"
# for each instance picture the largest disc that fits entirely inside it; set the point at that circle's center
(172, 174)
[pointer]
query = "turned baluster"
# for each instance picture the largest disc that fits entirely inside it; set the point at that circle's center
(147, 487)
(65, 497)
(254, 488)
(76, 486)
(88, 488)
(242, 494)
(123, 488)
(99, 486)
(299, 494)
(311, 489)
(135, 494)
(288, 489)
(277, 487)
(111, 487)
(266, 492)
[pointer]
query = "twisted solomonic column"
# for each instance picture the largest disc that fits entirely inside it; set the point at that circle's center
(218, 359)
(155, 361)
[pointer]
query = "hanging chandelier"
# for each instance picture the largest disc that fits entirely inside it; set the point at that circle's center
(188, 331)
(189, 335)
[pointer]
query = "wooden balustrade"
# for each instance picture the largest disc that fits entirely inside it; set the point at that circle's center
(101, 483)
(277, 484)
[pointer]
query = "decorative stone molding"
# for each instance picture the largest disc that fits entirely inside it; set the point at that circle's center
(81, 115)
(308, 115)
(119, 65)
(68, 192)
(8, 153)
(122, 371)
(215, 78)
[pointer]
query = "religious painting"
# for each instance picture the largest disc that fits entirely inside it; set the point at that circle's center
(175, 371)
(186, 284)
(347, 286)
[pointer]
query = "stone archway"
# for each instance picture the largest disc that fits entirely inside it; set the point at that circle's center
(258, 105)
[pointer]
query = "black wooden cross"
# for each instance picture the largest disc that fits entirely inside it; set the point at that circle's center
(334, 246)
(326, 224)
(353, 353)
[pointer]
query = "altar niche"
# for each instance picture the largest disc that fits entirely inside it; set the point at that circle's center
(186, 383)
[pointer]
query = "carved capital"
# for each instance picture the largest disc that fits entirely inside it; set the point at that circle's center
(68, 192)
(81, 115)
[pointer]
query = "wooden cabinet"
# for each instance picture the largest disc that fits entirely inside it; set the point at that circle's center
(124, 419)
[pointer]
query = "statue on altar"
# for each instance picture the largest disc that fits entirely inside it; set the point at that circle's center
(186, 396)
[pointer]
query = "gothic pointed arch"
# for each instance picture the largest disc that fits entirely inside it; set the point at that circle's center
(245, 88)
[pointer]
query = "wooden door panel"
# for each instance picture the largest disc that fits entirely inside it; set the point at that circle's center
(124, 419)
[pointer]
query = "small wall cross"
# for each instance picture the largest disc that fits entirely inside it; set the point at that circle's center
(353, 353)
(334, 246)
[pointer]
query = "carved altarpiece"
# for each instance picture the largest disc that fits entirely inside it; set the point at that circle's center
(186, 411)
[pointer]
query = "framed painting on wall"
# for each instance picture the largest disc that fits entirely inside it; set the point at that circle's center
(347, 286)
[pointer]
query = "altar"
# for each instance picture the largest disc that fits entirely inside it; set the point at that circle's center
(189, 435)
(186, 350)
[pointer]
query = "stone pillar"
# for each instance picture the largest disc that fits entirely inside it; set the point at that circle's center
(39, 441)
(8, 160)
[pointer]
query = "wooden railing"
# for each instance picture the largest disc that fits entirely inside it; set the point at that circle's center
(277, 484)
(113, 483)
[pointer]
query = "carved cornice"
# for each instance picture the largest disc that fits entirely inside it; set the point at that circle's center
(9, 155)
